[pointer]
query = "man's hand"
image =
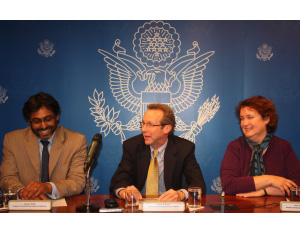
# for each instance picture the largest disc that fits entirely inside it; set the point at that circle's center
(171, 195)
(35, 191)
(133, 188)
(40, 197)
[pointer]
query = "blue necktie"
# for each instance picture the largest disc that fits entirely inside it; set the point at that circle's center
(45, 162)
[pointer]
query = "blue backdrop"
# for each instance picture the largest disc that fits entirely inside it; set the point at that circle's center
(103, 73)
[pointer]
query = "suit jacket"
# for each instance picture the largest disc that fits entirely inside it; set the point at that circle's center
(179, 160)
(21, 160)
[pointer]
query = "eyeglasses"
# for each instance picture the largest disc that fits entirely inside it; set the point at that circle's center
(45, 119)
(151, 125)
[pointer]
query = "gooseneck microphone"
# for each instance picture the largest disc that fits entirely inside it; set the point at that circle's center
(91, 157)
(93, 151)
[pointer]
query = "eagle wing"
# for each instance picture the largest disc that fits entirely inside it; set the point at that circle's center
(121, 76)
(192, 81)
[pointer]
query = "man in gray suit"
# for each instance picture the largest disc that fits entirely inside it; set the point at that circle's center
(43, 160)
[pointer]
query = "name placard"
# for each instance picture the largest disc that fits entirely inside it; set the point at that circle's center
(163, 206)
(290, 206)
(29, 205)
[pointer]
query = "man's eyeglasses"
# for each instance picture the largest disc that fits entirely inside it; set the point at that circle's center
(149, 125)
(45, 119)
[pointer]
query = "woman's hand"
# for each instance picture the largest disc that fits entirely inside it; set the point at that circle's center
(282, 184)
(258, 193)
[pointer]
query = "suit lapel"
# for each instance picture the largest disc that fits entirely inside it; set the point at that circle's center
(169, 163)
(143, 162)
(56, 148)
(32, 149)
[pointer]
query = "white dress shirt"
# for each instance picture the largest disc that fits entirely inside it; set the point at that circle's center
(161, 182)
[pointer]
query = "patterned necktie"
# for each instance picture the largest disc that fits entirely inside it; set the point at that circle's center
(152, 178)
(45, 162)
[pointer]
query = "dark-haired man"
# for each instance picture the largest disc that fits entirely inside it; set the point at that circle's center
(157, 145)
(43, 160)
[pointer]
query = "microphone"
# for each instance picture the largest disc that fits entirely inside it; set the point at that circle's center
(93, 151)
(91, 156)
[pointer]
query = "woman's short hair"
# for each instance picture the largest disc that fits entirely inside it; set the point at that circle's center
(168, 118)
(264, 107)
(35, 102)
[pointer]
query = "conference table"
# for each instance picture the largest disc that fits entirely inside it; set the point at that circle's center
(211, 203)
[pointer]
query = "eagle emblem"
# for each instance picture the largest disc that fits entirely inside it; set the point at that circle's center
(156, 74)
(46, 48)
(264, 53)
(216, 185)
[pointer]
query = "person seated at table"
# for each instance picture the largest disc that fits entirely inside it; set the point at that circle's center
(43, 160)
(259, 163)
(174, 158)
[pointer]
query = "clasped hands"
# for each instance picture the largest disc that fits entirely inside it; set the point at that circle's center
(277, 186)
(35, 191)
(168, 196)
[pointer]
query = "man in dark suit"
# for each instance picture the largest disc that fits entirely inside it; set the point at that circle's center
(175, 159)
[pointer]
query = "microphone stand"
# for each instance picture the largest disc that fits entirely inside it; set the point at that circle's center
(223, 202)
(88, 208)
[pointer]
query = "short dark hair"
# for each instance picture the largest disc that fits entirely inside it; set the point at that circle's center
(35, 102)
(264, 107)
(168, 118)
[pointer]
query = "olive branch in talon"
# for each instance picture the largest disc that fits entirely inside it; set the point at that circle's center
(205, 113)
(105, 118)
(3, 96)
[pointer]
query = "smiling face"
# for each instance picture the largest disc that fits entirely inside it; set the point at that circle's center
(253, 125)
(155, 136)
(43, 129)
